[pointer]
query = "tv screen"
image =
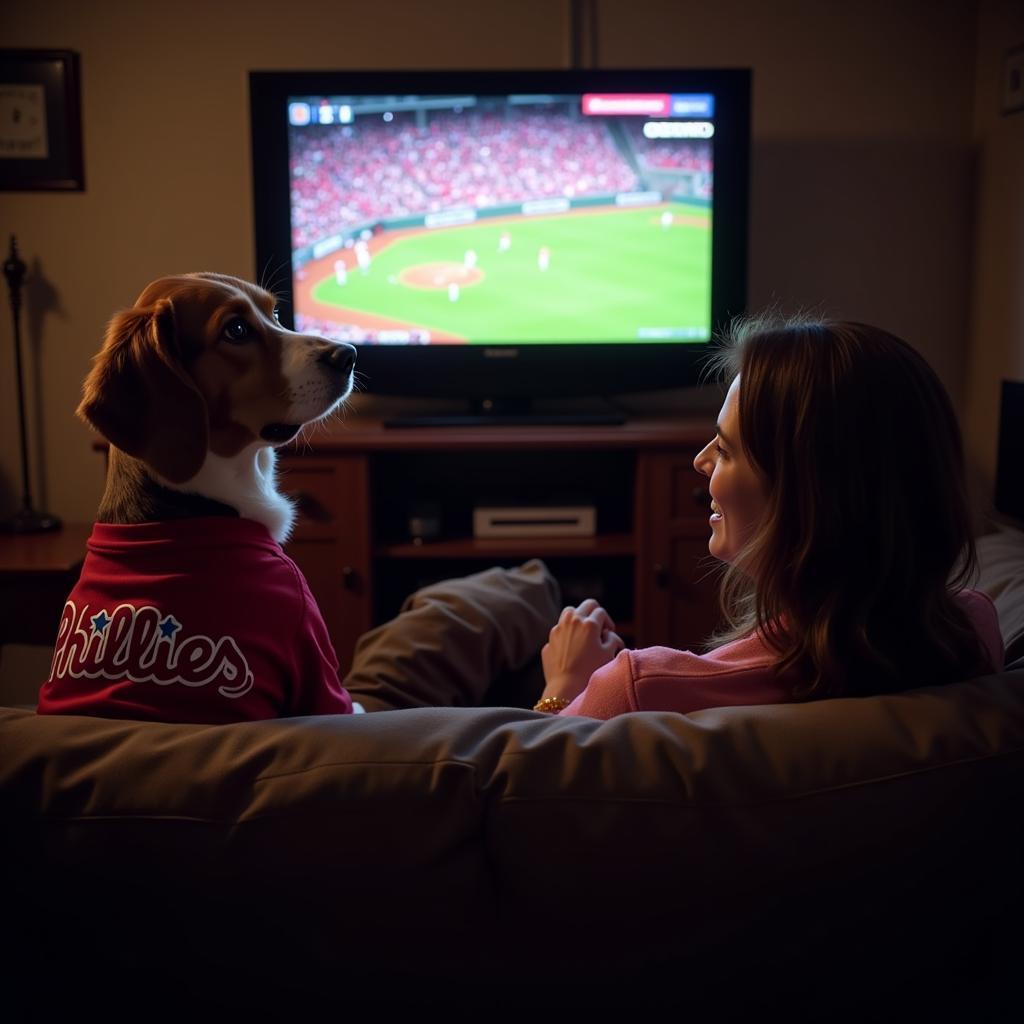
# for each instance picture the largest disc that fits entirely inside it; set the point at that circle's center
(506, 234)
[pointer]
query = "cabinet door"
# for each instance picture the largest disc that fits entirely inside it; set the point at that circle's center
(331, 541)
(677, 580)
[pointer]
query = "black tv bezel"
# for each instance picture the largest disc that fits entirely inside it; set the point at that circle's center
(479, 372)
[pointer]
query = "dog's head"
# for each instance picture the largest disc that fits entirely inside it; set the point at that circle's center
(201, 364)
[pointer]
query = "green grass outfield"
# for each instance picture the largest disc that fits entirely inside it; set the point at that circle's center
(612, 274)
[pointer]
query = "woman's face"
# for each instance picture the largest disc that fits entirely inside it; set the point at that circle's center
(738, 499)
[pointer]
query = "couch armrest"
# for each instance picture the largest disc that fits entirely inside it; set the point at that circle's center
(1001, 576)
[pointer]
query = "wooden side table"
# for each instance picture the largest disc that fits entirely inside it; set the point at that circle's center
(37, 572)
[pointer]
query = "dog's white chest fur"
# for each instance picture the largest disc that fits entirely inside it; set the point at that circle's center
(247, 482)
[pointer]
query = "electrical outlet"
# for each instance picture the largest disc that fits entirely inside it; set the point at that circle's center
(1013, 80)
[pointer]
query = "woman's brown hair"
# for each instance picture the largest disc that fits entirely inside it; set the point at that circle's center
(867, 532)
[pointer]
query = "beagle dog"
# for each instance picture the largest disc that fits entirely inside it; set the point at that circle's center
(187, 609)
(193, 388)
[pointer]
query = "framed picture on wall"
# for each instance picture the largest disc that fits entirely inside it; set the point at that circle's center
(40, 121)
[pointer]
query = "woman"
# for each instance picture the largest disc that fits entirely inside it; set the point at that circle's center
(839, 508)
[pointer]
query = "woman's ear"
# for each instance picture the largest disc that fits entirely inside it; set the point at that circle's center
(139, 397)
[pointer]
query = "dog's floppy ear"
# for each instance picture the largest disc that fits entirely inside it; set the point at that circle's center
(139, 397)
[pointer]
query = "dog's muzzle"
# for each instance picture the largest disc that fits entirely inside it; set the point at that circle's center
(339, 360)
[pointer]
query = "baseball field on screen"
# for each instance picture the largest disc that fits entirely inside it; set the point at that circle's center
(611, 275)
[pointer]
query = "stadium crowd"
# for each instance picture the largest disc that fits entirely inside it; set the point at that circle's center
(672, 154)
(345, 175)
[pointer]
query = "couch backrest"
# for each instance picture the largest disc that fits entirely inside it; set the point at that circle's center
(437, 839)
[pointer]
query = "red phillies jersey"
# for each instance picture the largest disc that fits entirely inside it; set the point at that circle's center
(191, 620)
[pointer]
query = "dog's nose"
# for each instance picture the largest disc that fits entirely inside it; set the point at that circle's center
(340, 357)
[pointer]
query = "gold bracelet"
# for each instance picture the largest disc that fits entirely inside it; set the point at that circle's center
(551, 705)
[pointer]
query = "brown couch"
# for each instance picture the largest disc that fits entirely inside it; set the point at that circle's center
(843, 859)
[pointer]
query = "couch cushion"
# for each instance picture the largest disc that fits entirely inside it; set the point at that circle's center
(458, 641)
(446, 843)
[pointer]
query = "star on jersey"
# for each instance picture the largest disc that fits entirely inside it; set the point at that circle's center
(100, 622)
(169, 626)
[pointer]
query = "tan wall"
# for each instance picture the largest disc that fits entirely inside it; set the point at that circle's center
(861, 190)
(997, 316)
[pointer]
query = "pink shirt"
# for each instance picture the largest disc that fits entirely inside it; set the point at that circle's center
(191, 620)
(664, 679)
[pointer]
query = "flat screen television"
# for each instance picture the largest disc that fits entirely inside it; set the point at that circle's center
(500, 236)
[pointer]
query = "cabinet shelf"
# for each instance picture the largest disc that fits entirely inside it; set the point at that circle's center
(602, 545)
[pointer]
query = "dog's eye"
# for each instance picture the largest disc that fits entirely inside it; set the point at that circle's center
(237, 331)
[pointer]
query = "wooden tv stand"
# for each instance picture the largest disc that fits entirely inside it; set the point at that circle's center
(359, 483)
